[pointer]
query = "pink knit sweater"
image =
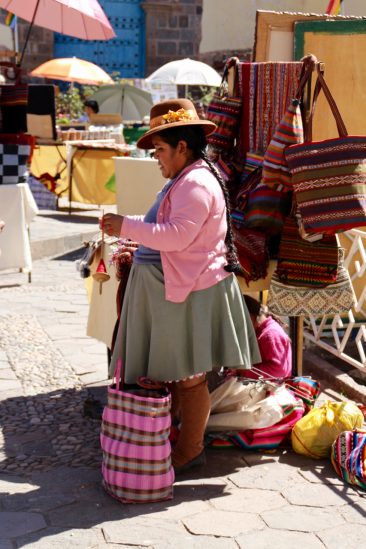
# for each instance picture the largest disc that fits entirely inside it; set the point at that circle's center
(275, 348)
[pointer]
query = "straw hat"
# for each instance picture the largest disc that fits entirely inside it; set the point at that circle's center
(170, 114)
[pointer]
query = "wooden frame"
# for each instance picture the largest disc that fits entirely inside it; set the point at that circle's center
(273, 27)
(343, 70)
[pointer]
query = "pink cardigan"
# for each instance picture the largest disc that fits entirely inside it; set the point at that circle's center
(190, 232)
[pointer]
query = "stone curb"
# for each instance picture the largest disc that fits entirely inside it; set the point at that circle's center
(321, 368)
(52, 247)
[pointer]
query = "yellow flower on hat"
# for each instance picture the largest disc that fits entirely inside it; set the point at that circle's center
(180, 115)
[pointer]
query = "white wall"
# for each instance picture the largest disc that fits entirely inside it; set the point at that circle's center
(230, 24)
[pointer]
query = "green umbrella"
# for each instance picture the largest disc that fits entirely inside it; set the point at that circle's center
(131, 102)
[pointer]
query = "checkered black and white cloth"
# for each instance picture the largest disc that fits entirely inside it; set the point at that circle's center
(14, 163)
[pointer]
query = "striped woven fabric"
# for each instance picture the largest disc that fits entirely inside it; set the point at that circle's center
(305, 388)
(225, 113)
(270, 437)
(266, 90)
(329, 182)
(288, 132)
(136, 465)
(348, 457)
(304, 263)
(12, 96)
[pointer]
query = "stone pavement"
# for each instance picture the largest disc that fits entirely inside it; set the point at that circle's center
(50, 482)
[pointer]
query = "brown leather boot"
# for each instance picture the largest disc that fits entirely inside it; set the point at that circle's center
(175, 407)
(194, 413)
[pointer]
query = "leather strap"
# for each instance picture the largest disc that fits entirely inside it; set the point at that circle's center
(308, 64)
(321, 85)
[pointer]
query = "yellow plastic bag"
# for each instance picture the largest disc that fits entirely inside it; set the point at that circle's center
(314, 434)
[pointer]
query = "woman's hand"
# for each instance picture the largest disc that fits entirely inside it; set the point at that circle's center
(111, 224)
(125, 252)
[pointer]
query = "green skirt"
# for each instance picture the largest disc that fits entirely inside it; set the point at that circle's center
(169, 341)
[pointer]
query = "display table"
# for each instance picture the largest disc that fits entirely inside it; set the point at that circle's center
(17, 209)
(81, 170)
(51, 159)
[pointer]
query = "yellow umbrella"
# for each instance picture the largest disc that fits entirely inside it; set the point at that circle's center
(72, 69)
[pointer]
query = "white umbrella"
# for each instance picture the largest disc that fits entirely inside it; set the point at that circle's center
(186, 72)
(131, 102)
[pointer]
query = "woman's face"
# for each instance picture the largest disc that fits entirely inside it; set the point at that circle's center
(171, 160)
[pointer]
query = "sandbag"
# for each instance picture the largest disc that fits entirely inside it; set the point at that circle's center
(314, 434)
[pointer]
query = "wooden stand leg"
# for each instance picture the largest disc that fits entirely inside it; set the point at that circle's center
(297, 335)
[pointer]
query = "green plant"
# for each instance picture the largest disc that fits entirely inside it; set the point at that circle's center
(69, 104)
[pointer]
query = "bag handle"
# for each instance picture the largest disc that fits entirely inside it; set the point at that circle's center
(308, 64)
(231, 62)
(119, 374)
(321, 85)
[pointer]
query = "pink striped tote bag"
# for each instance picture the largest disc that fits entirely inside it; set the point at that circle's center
(136, 466)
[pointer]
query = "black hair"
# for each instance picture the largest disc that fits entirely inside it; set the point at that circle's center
(256, 308)
(195, 138)
(92, 105)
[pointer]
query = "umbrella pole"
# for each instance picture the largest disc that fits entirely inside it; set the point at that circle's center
(28, 34)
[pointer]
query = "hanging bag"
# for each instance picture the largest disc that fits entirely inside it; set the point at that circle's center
(259, 207)
(304, 263)
(348, 457)
(224, 111)
(289, 131)
(329, 177)
(136, 465)
(291, 300)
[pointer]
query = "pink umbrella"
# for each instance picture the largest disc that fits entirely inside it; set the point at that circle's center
(80, 18)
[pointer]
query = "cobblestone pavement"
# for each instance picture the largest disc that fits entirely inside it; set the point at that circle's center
(50, 483)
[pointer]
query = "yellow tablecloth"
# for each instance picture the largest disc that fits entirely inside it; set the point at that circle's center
(90, 170)
(51, 159)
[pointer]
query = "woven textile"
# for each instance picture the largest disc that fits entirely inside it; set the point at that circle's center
(134, 437)
(270, 437)
(252, 253)
(329, 177)
(288, 132)
(304, 263)
(305, 388)
(329, 182)
(12, 96)
(224, 111)
(348, 457)
(266, 90)
(287, 300)
(258, 207)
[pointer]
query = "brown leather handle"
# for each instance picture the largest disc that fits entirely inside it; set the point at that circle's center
(308, 64)
(321, 85)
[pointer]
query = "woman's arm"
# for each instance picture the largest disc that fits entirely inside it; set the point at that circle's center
(190, 207)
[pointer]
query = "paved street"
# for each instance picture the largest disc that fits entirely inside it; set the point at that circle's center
(50, 482)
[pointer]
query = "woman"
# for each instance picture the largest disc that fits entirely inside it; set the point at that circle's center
(274, 343)
(183, 312)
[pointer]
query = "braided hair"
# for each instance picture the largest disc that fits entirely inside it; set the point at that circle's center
(195, 138)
